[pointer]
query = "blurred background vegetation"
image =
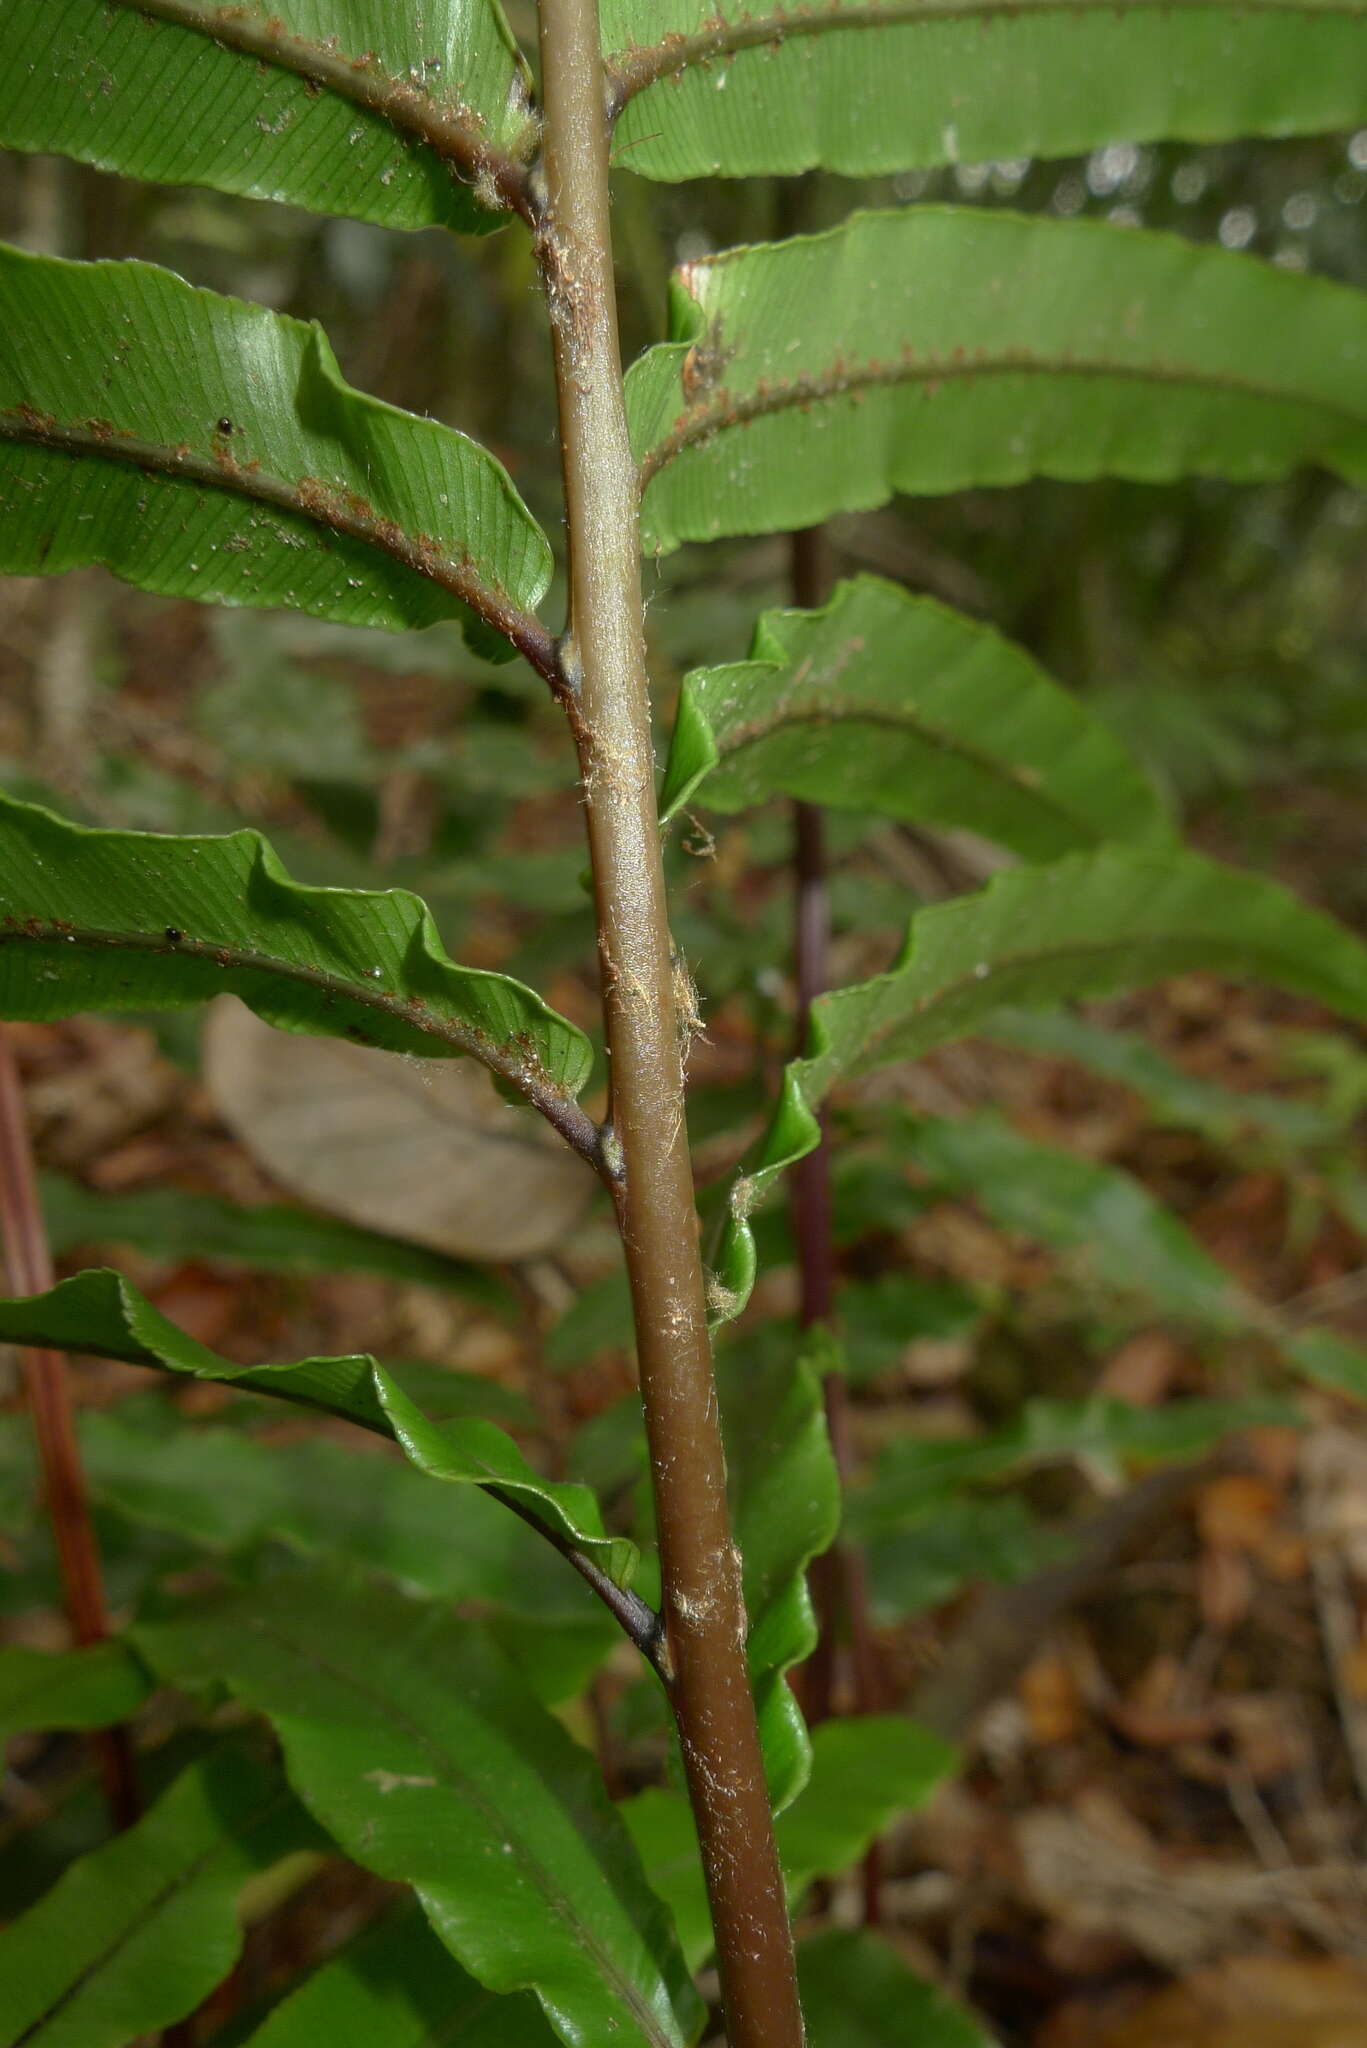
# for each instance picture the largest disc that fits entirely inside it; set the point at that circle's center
(1222, 630)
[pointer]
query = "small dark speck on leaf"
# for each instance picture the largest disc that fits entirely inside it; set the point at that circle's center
(225, 425)
(173, 936)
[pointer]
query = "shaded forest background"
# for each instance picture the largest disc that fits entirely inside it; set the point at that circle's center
(1163, 1696)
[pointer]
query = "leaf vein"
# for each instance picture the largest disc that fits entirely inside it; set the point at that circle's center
(849, 715)
(632, 70)
(516, 1063)
(722, 411)
(392, 1714)
(456, 133)
(233, 1831)
(324, 505)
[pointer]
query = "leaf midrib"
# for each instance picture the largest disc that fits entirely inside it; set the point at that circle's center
(330, 507)
(262, 1379)
(548, 1514)
(517, 1063)
(633, 69)
(721, 413)
(390, 1714)
(470, 1038)
(454, 131)
(849, 716)
(1209, 944)
(235, 1831)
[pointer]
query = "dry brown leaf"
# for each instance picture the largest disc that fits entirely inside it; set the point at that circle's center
(201, 1302)
(1268, 1733)
(1241, 1515)
(1052, 1698)
(1076, 1952)
(421, 1149)
(87, 1109)
(1224, 1588)
(1096, 1869)
(1235, 1511)
(1159, 1710)
(1254, 2001)
(1274, 1449)
(1284, 1555)
(1152, 1728)
(1334, 1474)
(957, 1834)
(1353, 1670)
(1143, 1369)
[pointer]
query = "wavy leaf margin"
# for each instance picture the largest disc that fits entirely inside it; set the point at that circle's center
(1084, 926)
(100, 1312)
(100, 920)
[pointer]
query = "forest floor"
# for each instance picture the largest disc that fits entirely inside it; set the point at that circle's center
(1156, 1838)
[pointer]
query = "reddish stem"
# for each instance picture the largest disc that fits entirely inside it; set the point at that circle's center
(29, 1265)
(839, 1587)
(812, 1215)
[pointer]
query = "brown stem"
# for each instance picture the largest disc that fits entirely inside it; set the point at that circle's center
(28, 1264)
(604, 662)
